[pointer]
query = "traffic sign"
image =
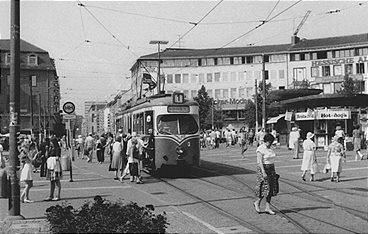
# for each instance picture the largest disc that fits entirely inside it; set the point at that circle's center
(68, 117)
(69, 107)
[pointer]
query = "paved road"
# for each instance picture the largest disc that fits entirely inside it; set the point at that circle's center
(218, 198)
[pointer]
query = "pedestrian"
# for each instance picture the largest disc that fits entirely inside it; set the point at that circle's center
(335, 154)
(218, 138)
(54, 171)
(294, 137)
(44, 149)
(2, 159)
(251, 137)
(117, 157)
(27, 155)
(267, 179)
(134, 161)
(79, 146)
(89, 145)
(243, 141)
(100, 146)
(309, 157)
(228, 138)
(357, 141)
(260, 136)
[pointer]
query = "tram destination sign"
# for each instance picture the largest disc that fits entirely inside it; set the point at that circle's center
(178, 109)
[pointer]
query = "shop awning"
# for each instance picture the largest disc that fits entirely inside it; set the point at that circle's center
(274, 120)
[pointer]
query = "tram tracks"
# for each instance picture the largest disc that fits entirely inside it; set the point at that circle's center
(295, 220)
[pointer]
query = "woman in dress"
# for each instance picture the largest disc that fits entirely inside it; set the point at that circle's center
(117, 157)
(27, 155)
(294, 142)
(357, 141)
(54, 171)
(309, 156)
(335, 154)
(267, 184)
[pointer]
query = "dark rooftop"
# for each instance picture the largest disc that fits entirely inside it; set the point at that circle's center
(24, 46)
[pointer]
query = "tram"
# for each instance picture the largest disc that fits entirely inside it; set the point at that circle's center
(168, 124)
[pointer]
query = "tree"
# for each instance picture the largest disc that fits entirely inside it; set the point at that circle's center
(250, 113)
(205, 103)
(350, 86)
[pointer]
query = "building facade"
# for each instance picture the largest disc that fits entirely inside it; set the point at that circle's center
(230, 74)
(39, 88)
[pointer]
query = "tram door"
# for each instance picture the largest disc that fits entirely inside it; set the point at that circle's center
(150, 139)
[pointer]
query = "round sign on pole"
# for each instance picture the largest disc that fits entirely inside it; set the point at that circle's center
(69, 107)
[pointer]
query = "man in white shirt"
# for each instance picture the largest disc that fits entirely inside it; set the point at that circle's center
(2, 160)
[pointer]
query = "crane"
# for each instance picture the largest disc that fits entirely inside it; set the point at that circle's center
(302, 22)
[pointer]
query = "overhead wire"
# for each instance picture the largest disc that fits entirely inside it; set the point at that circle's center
(106, 29)
(195, 24)
(138, 14)
(269, 14)
(263, 22)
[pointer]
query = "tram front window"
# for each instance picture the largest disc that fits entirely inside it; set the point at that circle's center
(177, 124)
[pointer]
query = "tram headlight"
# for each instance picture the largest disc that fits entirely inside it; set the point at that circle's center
(179, 150)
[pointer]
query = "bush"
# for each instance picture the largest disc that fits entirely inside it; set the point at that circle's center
(102, 216)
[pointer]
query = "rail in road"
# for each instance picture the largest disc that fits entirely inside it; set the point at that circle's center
(218, 196)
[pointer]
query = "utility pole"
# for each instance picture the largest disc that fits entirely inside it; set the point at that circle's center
(159, 64)
(31, 100)
(263, 92)
(14, 110)
(48, 104)
(212, 113)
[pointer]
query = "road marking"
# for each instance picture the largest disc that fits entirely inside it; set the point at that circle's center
(209, 226)
(87, 188)
(75, 180)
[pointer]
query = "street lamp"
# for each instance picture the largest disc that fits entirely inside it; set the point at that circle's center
(159, 63)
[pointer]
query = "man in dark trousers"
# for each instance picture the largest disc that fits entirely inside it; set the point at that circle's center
(44, 148)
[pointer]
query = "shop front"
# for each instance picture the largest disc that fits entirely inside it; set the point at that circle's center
(323, 113)
(323, 122)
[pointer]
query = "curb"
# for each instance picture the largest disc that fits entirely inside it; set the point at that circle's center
(39, 226)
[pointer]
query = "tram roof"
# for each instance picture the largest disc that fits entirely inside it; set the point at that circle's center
(157, 100)
(327, 100)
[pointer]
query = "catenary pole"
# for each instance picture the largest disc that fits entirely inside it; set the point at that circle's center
(14, 110)
(263, 92)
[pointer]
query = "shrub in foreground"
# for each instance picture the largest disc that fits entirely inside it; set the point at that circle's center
(103, 216)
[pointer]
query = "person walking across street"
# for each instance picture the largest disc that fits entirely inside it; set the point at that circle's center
(309, 157)
(335, 154)
(117, 157)
(54, 170)
(357, 141)
(243, 141)
(79, 146)
(267, 179)
(294, 142)
(89, 145)
(27, 155)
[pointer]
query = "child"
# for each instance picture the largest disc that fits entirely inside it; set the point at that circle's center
(133, 160)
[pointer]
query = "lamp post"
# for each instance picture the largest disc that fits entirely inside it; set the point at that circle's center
(159, 63)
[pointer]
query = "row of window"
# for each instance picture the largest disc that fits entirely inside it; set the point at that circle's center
(333, 70)
(32, 59)
(223, 76)
(242, 92)
(330, 88)
(329, 54)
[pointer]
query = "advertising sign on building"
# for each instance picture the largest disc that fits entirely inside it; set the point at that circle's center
(309, 115)
(333, 114)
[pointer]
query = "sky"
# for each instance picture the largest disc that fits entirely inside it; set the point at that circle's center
(95, 43)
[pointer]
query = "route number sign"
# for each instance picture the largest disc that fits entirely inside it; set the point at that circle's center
(69, 107)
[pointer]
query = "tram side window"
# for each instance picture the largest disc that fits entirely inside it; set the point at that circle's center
(138, 126)
(177, 124)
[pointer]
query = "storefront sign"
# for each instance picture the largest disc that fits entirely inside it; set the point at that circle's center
(230, 101)
(300, 116)
(288, 115)
(338, 61)
(333, 114)
(328, 62)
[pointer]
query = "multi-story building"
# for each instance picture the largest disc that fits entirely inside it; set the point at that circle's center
(39, 88)
(230, 74)
(95, 118)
